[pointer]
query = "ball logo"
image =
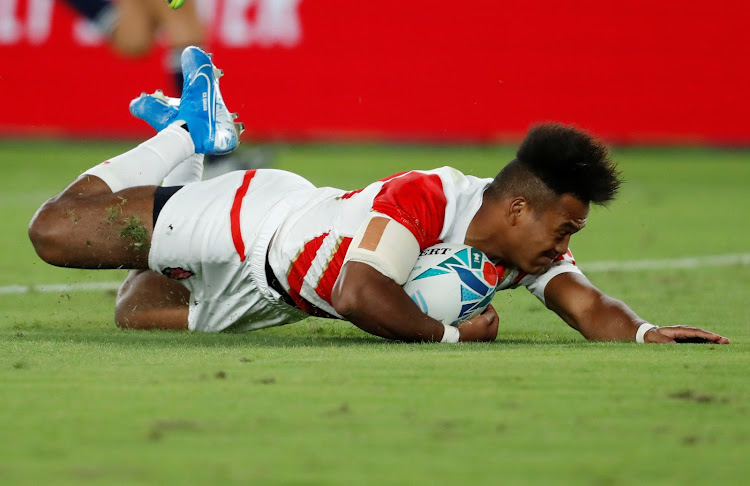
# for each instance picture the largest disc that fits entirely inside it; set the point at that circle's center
(478, 278)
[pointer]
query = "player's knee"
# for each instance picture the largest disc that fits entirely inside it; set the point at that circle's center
(126, 305)
(46, 234)
(129, 316)
(125, 319)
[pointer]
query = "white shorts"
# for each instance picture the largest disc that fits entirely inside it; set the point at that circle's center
(214, 241)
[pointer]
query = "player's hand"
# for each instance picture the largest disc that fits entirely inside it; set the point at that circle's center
(480, 328)
(682, 334)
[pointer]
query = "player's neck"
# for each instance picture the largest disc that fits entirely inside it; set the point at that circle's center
(487, 231)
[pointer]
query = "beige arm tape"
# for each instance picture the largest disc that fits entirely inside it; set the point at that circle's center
(385, 245)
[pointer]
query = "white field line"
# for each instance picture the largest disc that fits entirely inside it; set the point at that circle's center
(593, 267)
(668, 263)
(61, 288)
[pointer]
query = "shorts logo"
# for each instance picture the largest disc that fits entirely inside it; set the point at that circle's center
(177, 273)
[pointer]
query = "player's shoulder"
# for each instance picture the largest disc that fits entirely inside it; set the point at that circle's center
(456, 181)
(448, 177)
(441, 187)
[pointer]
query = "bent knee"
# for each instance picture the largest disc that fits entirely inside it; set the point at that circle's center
(131, 319)
(47, 234)
(126, 320)
(129, 316)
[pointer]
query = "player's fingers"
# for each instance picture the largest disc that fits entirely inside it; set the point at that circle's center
(484, 319)
(492, 324)
(492, 330)
(693, 334)
(656, 336)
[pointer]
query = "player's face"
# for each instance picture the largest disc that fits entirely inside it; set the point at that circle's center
(540, 236)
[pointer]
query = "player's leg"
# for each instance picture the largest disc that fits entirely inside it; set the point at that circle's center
(129, 27)
(105, 218)
(135, 29)
(182, 26)
(69, 229)
(102, 13)
(159, 111)
(83, 227)
(148, 300)
(88, 226)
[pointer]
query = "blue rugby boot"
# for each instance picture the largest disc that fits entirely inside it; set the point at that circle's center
(210, 124)
(156, 109)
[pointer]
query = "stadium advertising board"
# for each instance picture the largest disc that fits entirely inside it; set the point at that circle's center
(436, 70)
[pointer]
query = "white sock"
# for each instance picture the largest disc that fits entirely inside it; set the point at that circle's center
(189, 170)
(149, 163)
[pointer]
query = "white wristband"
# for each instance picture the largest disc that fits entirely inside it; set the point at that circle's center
(450, 334)
(642, 330)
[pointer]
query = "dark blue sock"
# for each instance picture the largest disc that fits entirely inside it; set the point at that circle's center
(174, 68)
(91, 9)
(177, 76)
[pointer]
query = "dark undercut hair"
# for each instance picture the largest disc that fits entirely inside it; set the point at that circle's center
(556, 159)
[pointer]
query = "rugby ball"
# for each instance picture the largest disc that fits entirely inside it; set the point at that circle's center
(452, 282)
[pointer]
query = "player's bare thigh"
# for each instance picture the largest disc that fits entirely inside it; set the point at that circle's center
(148, 300)
(182, 26)
(136, 27)
(87, 226)
(141, 20)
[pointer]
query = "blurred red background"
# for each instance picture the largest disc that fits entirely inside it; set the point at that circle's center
(438, 70)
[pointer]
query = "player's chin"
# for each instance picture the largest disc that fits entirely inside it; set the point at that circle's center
(540, 265)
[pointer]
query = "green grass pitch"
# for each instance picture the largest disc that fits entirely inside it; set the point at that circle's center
(320, 402)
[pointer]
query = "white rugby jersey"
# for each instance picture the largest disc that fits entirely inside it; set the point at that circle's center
(436, 206)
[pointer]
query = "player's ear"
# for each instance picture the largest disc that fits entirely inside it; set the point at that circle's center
(517, 207)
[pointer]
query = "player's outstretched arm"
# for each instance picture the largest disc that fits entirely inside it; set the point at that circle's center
(600, 317)
(378, 305)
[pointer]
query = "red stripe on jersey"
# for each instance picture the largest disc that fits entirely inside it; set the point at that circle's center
(331, 272)
(562, 257)
(519, 277)
(234, 214)
(300, 266)
(349, 194)
(417, 201)
(490, 273)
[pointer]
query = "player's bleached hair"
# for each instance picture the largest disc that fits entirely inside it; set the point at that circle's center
(562, 159)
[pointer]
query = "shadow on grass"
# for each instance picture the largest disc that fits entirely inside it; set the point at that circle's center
(254, 339)
(180, 339)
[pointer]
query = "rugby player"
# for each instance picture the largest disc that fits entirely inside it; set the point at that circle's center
(132, 26)
(260, 248)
